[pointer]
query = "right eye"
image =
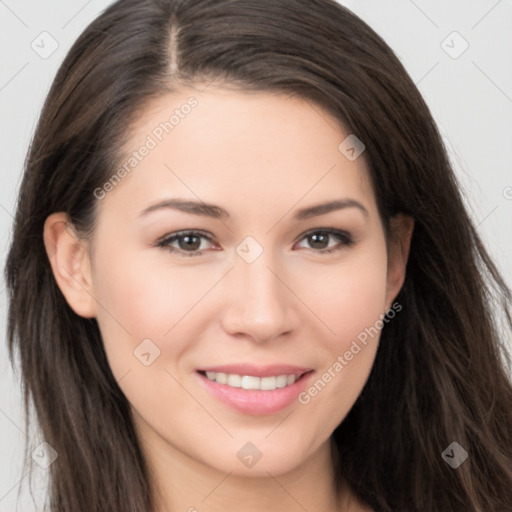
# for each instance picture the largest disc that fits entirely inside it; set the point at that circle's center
(188, 242)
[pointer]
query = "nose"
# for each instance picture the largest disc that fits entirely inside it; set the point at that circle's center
(259, 303)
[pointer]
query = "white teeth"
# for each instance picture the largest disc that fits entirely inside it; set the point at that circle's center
(235, 381)
(268, 383)
(221, 378)
(281, 381)
(251, 382)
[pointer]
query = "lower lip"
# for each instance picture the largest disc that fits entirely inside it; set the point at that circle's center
(256, 401)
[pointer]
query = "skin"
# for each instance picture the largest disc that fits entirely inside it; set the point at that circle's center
(261, 156)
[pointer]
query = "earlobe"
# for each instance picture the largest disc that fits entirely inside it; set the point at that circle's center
(401, 229)
(69, 258)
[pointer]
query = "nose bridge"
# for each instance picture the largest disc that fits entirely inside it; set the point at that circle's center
(261, 286)
(259, 303)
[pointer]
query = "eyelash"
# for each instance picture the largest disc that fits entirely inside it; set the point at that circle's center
(344, 237)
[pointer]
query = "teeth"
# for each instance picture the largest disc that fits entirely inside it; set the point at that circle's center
(268, 383)
(221, 378)
(235, 381)
(281, 381)
(251, 382)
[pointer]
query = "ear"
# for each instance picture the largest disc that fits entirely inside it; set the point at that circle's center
(401, 228)
(70, 262)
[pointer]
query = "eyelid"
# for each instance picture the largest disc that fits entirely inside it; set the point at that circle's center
(183, 232)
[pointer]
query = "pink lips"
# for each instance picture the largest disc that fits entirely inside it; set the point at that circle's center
(254, 401)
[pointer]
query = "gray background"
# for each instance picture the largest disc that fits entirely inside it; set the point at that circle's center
(469, 94)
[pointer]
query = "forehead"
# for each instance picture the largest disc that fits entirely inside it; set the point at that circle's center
(240, 148)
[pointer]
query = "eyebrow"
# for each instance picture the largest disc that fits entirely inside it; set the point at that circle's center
(217, 212)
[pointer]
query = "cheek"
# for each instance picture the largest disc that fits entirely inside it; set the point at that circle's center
(350, 296)
(140, 301)
(350, 301)
(160, 304)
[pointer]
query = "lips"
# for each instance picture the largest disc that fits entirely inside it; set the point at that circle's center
(256, 390)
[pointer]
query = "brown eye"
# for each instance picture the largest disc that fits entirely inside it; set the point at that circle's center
(319, 240)
(188, 243)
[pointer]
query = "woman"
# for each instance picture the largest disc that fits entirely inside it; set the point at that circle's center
(242, 275)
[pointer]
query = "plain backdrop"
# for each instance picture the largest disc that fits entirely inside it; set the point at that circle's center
(458, 53)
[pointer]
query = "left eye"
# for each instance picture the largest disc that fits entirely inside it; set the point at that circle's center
(189, 242)
(319, 237)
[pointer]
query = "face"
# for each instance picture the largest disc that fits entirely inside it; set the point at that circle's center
(258, 289)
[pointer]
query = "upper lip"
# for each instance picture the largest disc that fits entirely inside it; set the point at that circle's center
(272, 370)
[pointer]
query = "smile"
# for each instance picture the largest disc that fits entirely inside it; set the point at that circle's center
(250, 381)
(255, 390)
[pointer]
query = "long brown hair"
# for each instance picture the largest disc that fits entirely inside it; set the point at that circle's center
(440, 374)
